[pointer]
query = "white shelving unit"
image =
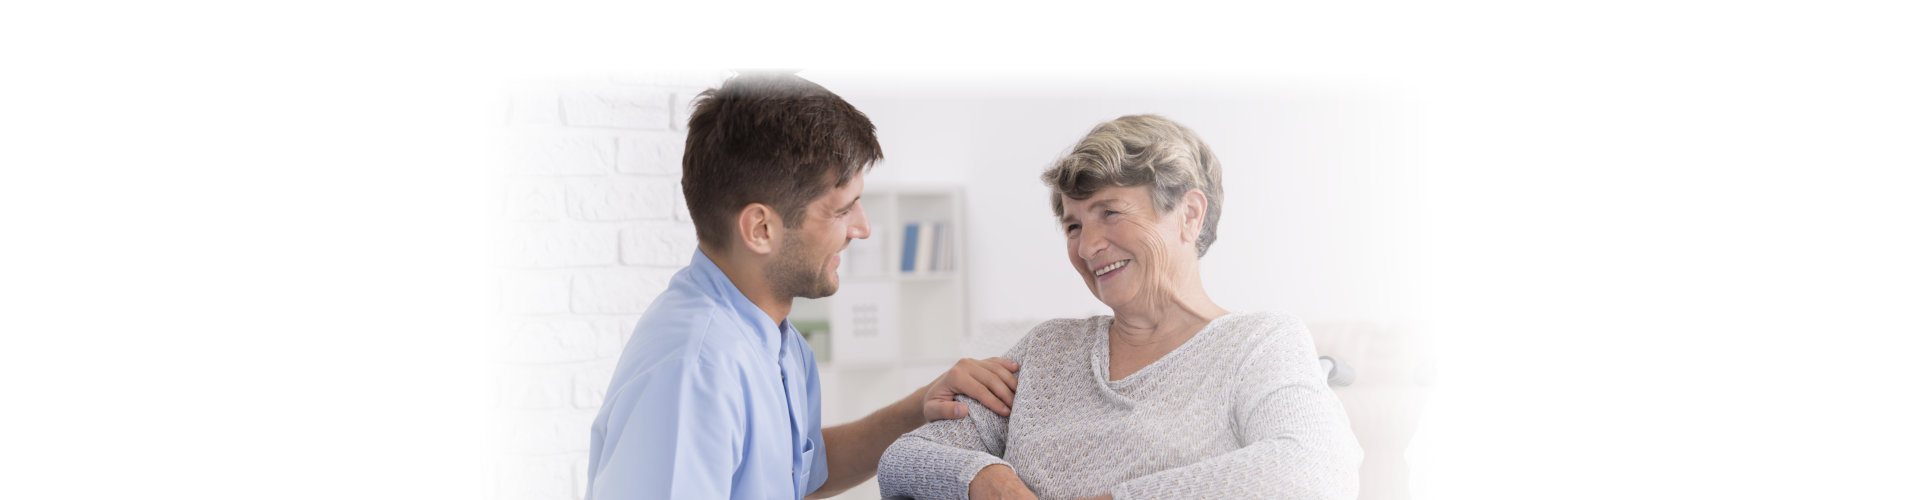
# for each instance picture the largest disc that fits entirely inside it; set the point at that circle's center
(888, 330)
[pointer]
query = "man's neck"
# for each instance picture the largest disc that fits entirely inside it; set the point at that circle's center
(748, 274)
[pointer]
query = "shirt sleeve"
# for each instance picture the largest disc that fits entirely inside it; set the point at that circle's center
(676, 431)
(1295, 436)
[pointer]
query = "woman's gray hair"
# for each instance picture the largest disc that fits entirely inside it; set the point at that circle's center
(1137, 150)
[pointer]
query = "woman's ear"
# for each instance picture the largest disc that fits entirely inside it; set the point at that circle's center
(756, 227)
(1193, 215)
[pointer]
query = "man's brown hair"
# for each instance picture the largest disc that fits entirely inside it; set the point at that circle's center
(771, 138)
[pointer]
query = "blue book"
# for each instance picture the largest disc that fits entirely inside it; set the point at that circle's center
(909, 243)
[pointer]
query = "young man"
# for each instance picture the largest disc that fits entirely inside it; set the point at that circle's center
(716, 395)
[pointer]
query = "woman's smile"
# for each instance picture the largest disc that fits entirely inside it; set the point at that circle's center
(1106, 272)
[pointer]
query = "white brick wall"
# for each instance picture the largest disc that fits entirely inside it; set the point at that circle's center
(592, 225)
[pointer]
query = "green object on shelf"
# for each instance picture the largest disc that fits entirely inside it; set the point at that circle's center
(816, 334)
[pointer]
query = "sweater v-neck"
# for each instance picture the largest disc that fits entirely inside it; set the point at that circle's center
(1102, 353)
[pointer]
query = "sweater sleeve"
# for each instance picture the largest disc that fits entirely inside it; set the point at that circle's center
(1296, 441)
(940, 459)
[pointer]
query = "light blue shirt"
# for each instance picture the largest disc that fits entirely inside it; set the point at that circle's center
(711, 399)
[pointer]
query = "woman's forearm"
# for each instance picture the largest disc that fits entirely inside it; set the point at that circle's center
(941, 459)
(1274, 468)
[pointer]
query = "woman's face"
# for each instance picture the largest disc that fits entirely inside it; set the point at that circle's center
(1121, 245)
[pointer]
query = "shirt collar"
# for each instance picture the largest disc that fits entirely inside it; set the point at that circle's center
(722, 288)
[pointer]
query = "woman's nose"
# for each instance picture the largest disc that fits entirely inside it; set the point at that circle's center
(1092, 241)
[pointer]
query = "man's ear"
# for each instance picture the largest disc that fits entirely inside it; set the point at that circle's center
(755, 227)
(1193, 214)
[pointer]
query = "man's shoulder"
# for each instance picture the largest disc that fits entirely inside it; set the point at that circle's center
(679, 312)
(684, 331)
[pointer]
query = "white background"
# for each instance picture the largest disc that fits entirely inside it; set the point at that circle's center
(1318, 212)
(1667, 246)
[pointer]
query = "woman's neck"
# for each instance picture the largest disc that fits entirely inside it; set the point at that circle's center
(1141, 335)
(1167, 323)
(1159, 317)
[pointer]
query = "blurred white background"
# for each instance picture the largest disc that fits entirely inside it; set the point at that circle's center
(1667, 245)
(1318, 222)
(1318, 213)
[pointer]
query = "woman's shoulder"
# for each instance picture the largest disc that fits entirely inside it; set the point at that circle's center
(1066, 329)
(1071, 324)
(1059, 335)
(1259, 326)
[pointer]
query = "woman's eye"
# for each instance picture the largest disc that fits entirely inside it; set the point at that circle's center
(1112, 213)
(1073, 227)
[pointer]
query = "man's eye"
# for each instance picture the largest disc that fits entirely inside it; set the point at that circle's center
(1073, 227)
(1112, 212)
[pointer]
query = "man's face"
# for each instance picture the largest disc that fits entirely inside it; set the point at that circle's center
(808, 261)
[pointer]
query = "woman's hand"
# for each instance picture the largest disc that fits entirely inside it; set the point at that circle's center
(989, 381)
(998, 482)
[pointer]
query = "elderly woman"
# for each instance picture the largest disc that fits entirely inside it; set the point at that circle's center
(1170, 397)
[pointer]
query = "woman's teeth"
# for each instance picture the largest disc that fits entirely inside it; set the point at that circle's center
(1110, 267)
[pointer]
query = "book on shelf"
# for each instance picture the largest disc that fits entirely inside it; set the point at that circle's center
(926, 247)
(923, 252)
(937, 260)
(909, 247)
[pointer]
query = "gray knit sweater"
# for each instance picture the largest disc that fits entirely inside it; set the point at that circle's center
(1241, 410)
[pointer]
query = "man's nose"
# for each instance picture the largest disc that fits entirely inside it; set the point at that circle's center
(861, 227)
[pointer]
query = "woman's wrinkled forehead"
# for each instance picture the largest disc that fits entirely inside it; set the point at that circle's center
(1105, 198)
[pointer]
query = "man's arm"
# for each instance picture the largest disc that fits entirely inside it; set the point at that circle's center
(673, 433)
(853, 449)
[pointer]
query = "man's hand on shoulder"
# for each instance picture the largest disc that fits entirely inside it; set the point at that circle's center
(990, 381)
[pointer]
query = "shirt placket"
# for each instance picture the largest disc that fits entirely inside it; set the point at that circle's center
(794, 423)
